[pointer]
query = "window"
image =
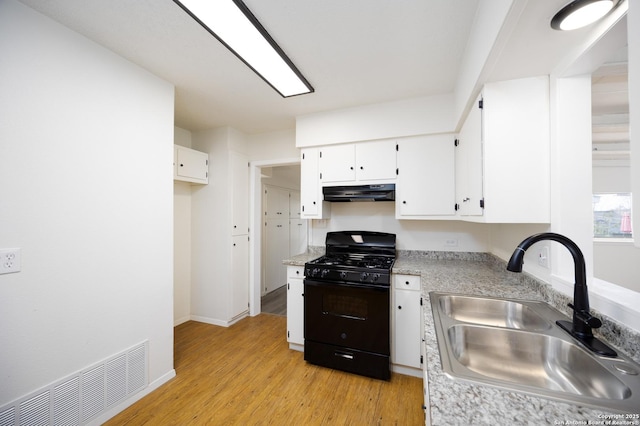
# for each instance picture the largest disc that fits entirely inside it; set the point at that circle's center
(612, 216)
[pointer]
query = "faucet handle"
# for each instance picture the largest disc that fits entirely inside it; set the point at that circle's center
(586, 318)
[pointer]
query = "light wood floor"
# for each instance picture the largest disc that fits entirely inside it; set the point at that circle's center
(246, 375)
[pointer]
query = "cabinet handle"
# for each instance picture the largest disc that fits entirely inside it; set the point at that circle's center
(399, 307)
(314, 203)
(181, 165)
(407, 282)
(465, 200)
(297, 272)
(351, 168)
(404, 202)
(361, 168)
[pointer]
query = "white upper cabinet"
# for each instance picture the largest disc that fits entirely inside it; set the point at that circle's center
(426, 177)
(376, 161)
(312, 205)
(469, 197)
(505, 146)
(190, 165)
(362, 162)
(337, 163)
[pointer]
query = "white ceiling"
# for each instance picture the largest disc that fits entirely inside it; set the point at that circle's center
(353, 52)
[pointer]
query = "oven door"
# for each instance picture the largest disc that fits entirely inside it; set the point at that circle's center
(354, 316)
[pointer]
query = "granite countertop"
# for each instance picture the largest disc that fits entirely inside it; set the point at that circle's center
(455, 402)
(302, 258)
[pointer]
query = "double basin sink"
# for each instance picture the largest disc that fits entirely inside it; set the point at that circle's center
(516, 345)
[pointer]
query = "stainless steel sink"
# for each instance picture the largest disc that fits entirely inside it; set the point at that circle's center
(490, 311)
(515, 345)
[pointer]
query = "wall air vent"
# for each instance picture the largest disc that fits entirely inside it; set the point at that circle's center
(83, 396)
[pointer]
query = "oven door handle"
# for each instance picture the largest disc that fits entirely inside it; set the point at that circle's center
(374, 287)
(345, 355)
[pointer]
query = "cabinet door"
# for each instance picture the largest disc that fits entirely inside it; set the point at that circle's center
(469, 161)
(376, 161)
(276, 237)
(294, 205)
(239, 275)
(407, 339)
(426, 177)
(297, 236)
(312, 205)
(516, 146)
(276, 202)
(191, 165)
(337, 163)
(239, 167)
(295, 311)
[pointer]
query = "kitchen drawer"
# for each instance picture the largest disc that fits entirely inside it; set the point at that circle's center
(406, 282)
(295, 272)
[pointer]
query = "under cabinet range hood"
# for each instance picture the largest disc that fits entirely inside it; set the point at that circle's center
(382, 192)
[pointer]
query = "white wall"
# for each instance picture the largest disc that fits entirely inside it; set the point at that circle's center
(611, 179)
(633, 49)
(410, 234)
(282, 176)
(181, 239)
(608, 255)
(479, 54)
(607, 258)
(426, 115)
(272, 145)
(86, 146)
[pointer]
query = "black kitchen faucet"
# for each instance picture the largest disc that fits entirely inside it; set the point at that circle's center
(583, 322)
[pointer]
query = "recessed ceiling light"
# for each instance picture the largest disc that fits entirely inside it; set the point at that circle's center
(233, 24)
(580, 13)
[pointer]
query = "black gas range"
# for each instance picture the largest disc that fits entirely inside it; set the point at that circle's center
(352, 268)
(346, 299)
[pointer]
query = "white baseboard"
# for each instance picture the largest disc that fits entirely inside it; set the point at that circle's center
(407, 371)
(296, 347)
(215, 321)
(177, 322)
(207, 320)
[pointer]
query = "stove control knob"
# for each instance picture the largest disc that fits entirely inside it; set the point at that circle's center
(324, 273)
(375, 277)
(364, 276)
(343, 275)
(315, 272)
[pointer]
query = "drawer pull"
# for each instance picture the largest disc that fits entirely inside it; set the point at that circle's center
(344, 355)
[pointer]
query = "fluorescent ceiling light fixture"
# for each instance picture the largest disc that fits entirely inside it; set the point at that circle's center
(580, 13)
(231, 22)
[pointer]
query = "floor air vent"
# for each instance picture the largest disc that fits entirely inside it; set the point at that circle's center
(79, 398)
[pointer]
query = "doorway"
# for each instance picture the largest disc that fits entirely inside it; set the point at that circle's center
(279, 232)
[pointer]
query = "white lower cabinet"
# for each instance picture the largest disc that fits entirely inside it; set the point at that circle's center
(406, 326)
(295, 307)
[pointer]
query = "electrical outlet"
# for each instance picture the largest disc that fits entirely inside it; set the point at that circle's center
(543, 257)
(9, 260)
(451, 242)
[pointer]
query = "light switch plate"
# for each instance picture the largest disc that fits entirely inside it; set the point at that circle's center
(10, 260)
